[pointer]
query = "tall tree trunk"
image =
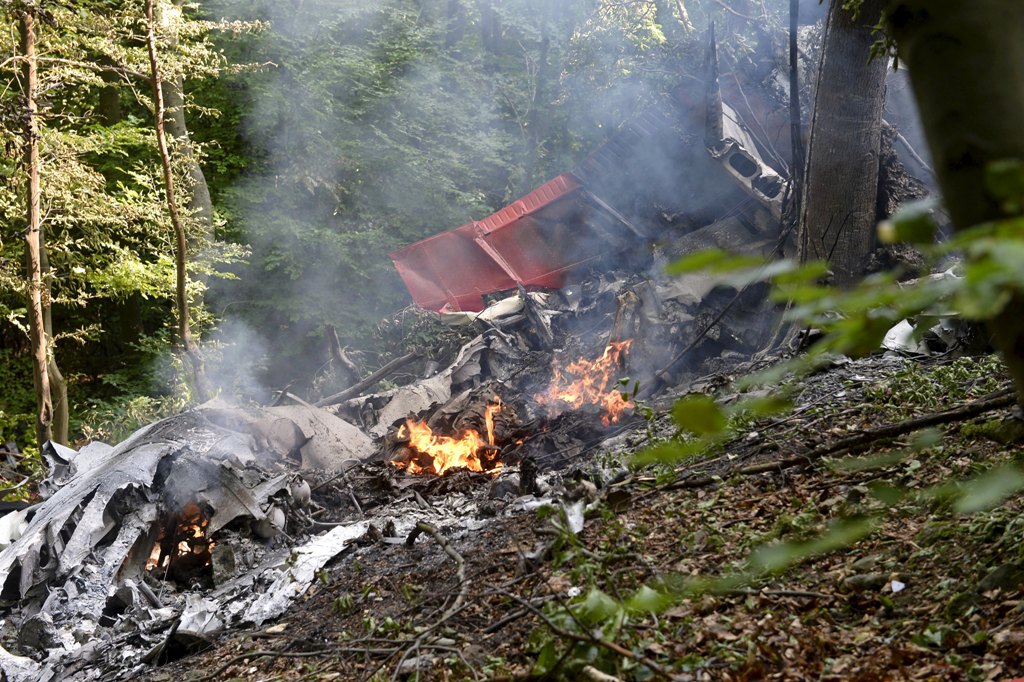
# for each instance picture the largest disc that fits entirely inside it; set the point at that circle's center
(37, 329)
(490, 26)
(966, 63)
(199, 204)
(456, 25)
(841, 178)
(181, 245)
(540, 113)
(58, 384)
(109, 110)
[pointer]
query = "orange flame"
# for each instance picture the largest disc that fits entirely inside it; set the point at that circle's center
(467, 451)
(190, 537)
(585, 382)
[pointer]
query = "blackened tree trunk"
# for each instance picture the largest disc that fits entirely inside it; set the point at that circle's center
(37, 330)
(837, 209)
(181, 244)
(966, 63)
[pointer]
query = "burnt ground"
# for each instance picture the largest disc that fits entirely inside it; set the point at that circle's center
(929, 594)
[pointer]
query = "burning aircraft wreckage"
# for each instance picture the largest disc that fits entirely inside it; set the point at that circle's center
(221, 516)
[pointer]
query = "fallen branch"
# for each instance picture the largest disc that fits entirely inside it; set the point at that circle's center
(460, 569)
(994, 401)
(593, 639)
(592, 674)
(369, 381)
(511, 618)
(11, 489)
(739, 592)
(216, 674)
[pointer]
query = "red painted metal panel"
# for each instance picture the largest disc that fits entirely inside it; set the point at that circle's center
(534, 239)
(528, 242)
(450, 270)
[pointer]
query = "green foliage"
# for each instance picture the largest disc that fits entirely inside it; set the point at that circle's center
(776, 558)
(108, 242)
(989, 489)
(398, 122)
(700, 415)
(17, 400)
(913, 386)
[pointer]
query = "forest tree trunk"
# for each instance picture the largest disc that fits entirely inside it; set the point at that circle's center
(58, 384)
(966, 63)
(837, 209)
(490, 26)
(37, 329)
(540, 112)
(200, 205)
(181, 245)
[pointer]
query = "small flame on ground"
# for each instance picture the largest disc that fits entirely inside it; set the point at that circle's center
(189, 536)
(467, 451)
(585, 382)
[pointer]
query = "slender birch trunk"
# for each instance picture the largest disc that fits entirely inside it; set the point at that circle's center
(37, 329)
(181, 244)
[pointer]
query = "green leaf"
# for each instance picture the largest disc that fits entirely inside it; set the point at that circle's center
(990, 489)
(699, 414)
(547, 659)
(1005, 182)
(596, 607)
(715, 260)
(673, 451)
(852, 464)
(886, 494)
(763, 406)
(914, 223)
(926, 439)
(648, 600)
(777, 557)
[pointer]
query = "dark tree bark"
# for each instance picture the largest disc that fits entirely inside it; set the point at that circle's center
(37, 329)
(837, 209)
(966, 62)
(795, 127)
(181, 245)
(490, 26)
(109, 111)
(456, 24)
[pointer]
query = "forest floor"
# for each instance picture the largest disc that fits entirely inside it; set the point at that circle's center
(931, 593)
